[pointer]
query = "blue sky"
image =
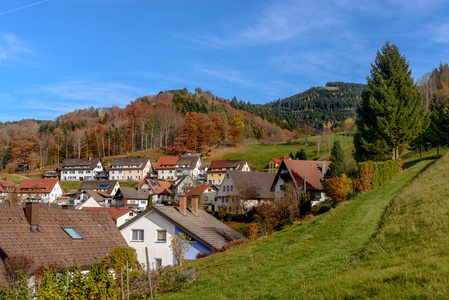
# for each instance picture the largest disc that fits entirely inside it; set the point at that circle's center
(60, 55)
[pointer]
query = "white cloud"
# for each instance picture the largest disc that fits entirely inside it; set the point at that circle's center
(11, 47)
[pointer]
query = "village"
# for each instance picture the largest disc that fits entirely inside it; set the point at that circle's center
(175, 195)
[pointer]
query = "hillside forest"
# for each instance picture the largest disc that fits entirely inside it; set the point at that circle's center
(180, 121)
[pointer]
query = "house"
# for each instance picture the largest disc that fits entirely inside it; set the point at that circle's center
(154, 228)
(119, 215)
(48, 189)
(74, 169)
(131, 169)
(109, 187)
(217, 169)
(173, 167)
(166, 167)
(92, 199)
(274, 163)
(241, 191)
(305, 174)
(159, 190)
(6, 188)
(136, 198)
(206, 194)
(55, 237)
(181, 186)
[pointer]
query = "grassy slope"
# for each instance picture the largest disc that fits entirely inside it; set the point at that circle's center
(259, 155)
(298, 262)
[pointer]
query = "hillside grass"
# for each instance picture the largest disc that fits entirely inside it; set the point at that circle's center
(258, 155)
(315, 258)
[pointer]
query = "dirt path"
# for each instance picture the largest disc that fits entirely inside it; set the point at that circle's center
(222, 151)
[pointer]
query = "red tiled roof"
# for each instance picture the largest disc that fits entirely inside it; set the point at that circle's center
(218, 164)
(7, 186)
(277, 160)
(158, 187)
(38, 185)
(167, 162)
(113, 212)
(196, 191)
(311, 170)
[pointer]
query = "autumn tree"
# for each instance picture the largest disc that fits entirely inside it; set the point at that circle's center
(391, 112)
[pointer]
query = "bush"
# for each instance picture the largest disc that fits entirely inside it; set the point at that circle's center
(373, 174)
(284, 224)
(169, 279)
(251, 231)
(321, 209)
(16, 263)
(338, 188)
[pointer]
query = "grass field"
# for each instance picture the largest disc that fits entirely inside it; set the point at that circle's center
(259, 155)
(320, 257)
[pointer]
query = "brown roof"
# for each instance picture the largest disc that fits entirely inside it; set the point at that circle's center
(133, 194)
(204, 228)
(93, 185)
(79, 164)
(167, 162)
(38, 185)
(311, 170)
(52, 245)
(262, 180)
(114, 213)
(198, 190)
(7, 186)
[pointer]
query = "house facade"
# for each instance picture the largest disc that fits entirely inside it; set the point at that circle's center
(135, 198)
(305, 175)
(274, 164)
(7, 187)
(47, 190)
(181, 186)
(155, 226)
(217, 169)
(241, 191)
(75, 169)
(109, 187)
(130, 169)
(166, 168)
(206, 195)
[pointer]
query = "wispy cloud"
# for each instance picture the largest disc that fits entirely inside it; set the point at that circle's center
(11, 47)
(441, 33)
(22, 7)
(277, 22)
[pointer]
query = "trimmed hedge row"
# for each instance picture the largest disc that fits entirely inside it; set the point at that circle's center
(373, 174)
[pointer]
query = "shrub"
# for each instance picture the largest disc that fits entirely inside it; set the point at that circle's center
(284, 224)
(338, 188)
(251, 231)
(321, 209)
(16, 263)
(373, 174)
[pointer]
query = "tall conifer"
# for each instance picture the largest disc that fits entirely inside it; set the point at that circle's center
(391, 112)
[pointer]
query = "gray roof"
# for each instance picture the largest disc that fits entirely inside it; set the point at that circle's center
(188, 161)
(204, 228)
(79, 164)
(91, 185)
(134, 194)
(129, 163)
(262, 180)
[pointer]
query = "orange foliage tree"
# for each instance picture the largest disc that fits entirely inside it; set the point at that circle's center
(338, 188)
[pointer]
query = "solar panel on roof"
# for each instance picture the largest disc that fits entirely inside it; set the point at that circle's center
(158, 183)
(152, 183)
(103, 185)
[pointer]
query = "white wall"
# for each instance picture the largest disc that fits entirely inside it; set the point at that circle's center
(150, 223)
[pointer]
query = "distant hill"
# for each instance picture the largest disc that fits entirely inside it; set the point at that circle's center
(318, 107)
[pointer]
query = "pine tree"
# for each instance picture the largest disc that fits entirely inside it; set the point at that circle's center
(438, 132)
(338, 165)
(391, 113)
(301, 155)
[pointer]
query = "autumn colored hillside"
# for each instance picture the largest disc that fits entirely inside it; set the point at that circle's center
(176, 121)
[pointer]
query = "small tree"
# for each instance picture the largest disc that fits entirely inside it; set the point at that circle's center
(338, 188)
(338, 166)
(180, 244)
(16, 263)
(301, 155)
(251, 231)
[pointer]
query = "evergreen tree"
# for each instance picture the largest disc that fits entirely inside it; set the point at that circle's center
(438, 132)
(301, 155)
(338, 165)
(291, 155)
(391, 112)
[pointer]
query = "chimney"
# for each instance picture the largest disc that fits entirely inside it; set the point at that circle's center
(323, 167)
(195, 206)
(32, 214)
(183, 205)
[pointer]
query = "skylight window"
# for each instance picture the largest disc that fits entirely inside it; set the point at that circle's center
(72, 233)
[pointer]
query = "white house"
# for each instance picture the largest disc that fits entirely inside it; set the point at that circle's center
(48, 189)
(75, 169)
(306, 175)
(132, 169)
(154, 227)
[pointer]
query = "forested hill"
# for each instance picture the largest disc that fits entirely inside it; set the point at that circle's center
(318, 107)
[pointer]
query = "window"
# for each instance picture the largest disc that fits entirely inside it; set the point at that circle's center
(72, 233)
(143, 202)
(137, 235)
(158, 262)
(161, 235)
(232, 188)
